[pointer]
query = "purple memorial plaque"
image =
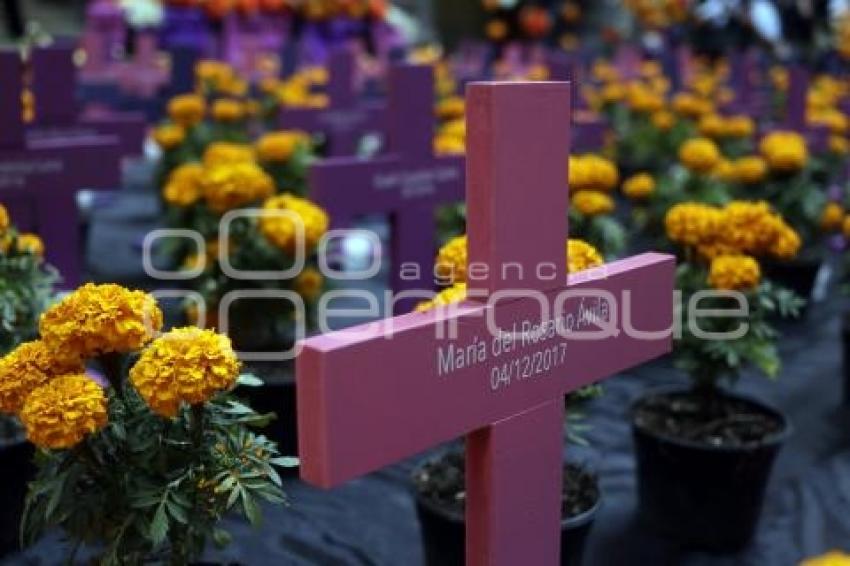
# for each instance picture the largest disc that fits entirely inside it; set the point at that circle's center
(799, 81)
(347, 119)
(41, 175)
(56, 109)
(408, 183)
(372, 395)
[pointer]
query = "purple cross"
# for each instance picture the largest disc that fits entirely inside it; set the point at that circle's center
(40, 175)
(407, 183)
(247, 39)
(795, 110)
(56, 112)
(347, 119)
(493, 371)
(102, 39)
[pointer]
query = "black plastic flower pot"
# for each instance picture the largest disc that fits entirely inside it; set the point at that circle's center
(798, 275)
(444, 532)
(16, 470)
(704, 495)
(845, 352)
(278, 398)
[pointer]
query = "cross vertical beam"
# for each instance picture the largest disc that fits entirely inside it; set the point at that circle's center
(513, 489)
(11, 105)
(516, 185)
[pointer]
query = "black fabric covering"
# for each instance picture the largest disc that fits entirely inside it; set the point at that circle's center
(372, 521)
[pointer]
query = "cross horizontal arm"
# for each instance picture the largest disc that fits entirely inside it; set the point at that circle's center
(349, 187)
(366, 399)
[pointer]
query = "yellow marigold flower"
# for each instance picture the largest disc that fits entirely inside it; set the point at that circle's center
(214, 73)
(451, 108)
(784, 151)
(281, 230)
(279, 147)
(454, 128)
(734, 273)
(700, 155)
(612, 92)
(750, 170)
(779, 78)
(169, 136)
(448, 296)
(27, 367)
(228, 110)
(664, 120)
(5, 222)
(831, 118)
(452, 260)
(604, 71)
(740, 126)
(187, 110)
(582, 256)
(592, 172)
(187, 365)
(845, 226)
(838, 145)
(63, 412)
(691, 223)
(448, 145)
(184, 185)
(592, 203)
(832, 558)
(639, 186)
(691, 106)
(226, 187)
(832, 217)
(712, 126)
(641, 99)
(226, 153)
(786, 245)
(650, 69)
(101, 319)
(309, 284)
(30, 244)
(496, 30)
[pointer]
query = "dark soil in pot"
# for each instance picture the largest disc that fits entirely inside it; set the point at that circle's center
(16, 470)
(703, 464)
(440, 503)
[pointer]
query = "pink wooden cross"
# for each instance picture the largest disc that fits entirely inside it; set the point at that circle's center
(347, 119)
(54, 80)
(40, 175)
(374, 394)
(407, 183)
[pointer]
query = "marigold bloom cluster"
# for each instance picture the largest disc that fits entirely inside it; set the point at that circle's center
(717, 126)
(700, 155)
(281, 230)
(640, 186)
(734, 273)
(183, 187)
(187, 110)
(279, 147)
(100, 319)
(30, 365)
(187, 365)
(169, 136)
(230, 186)
(592, 173)
(785, 152)
(739, 228)
(63, 412)
(226, 153)
(592, 203)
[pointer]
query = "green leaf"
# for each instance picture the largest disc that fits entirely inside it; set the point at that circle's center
(250, 380)
(286, 462)
(158, 529)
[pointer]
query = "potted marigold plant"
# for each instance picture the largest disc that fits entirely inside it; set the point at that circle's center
(704, 454)
(440, 482)
(790, 186)
(26, 288)
(591, 180)
(268, 178)
(141, 467)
